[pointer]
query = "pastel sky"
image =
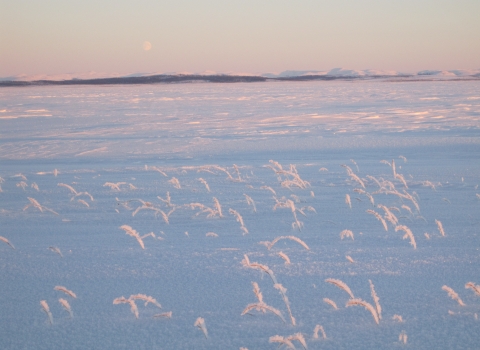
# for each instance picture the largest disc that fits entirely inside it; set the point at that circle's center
(60, 36)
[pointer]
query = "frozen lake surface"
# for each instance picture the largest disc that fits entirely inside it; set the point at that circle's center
(199, 166)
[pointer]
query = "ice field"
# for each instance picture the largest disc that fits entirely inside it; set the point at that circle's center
(371, 188)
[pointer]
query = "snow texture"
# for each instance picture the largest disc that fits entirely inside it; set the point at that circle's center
(410, 143)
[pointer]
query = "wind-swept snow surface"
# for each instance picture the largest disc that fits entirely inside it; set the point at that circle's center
(79, 163)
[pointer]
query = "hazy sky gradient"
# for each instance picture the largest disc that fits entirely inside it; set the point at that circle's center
(58, 36)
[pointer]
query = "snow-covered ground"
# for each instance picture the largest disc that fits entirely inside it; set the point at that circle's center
(185, 161)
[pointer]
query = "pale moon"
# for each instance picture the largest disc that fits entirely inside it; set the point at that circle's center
(147, 46)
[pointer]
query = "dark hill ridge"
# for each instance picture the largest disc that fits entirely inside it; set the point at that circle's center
(184, 78)
(224, 78)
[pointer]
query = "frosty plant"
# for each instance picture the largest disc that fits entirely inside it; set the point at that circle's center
(239, 219)
(379, 218)
(330, 302)
(348, 201)
(46, 309)
(131, 301)
(341, 285)
(474, 287)
(440, 227)
(320, 329)
(346, 233)
(66, 306)
(66, 291)
(56, 250)
(452, 294)
(35, 204)
(261, 305)
(200, 323)
(287, 341)
(131, 232)
(368, 306)
(246, 263)
(269, 245)
(408, 234)
(3, 239)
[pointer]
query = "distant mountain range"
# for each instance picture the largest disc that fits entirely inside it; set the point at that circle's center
(213, 77)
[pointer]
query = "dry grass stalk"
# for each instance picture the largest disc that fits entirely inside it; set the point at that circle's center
(408, 234)
(131, 302)
(200, 323)
(20, 175)
(3, 239)
(35, 204)
(340, 285)
(397, 318)
(376, 299)
(284, 257)
(348, 201)
(250, 202)
(317, 329)
(429, 184)
(269, 245)
(66, 306)
(211, 234)
(407, 208)
(237, 170)
(256, 266)
(370, 197)
(349, 258)
(402, 179)
(22, 184)
(403, 337)
(281, 340)
(205, 183)
(269, 189)
(300, 338)
(379, 218)
(84, 203)
(167, 200)
(66, 291)
(427, 236)
(56, 250)
(257, 292)
(367, 306)
(174, 181)
(46, 309)
(218, 207)
(114, 186)
(156, 169)
(163, 315)
(68, 187)
(356, 165)
(354, 176)
(440, 227)
(330, 302)
(283, 292)
(346, 233)
(146, 298)
(261, 306)
(35, 186)
(472, 286)
(388, 214)
(452, 294)
(131, 232)
(238, 217)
